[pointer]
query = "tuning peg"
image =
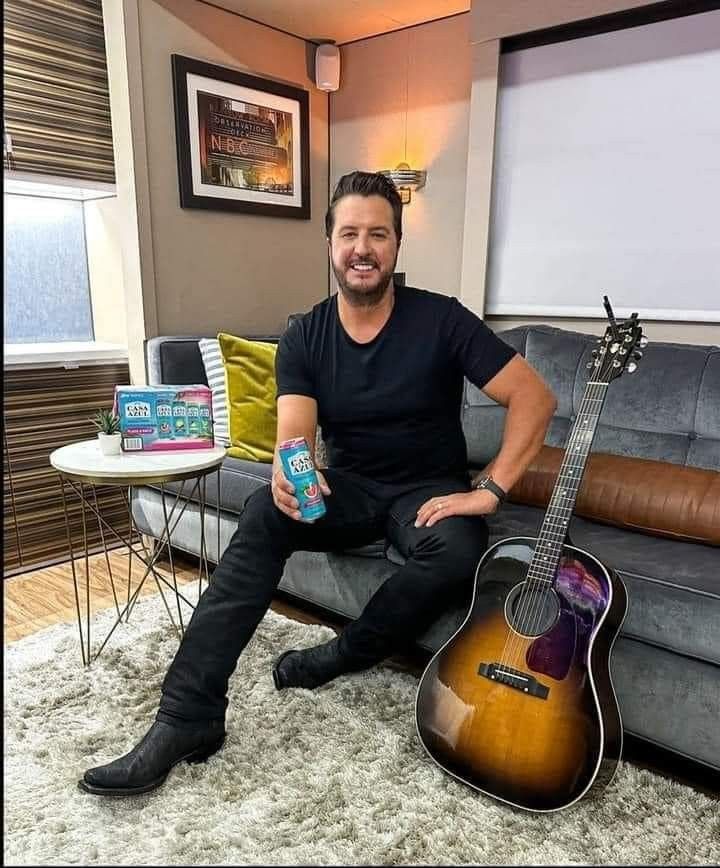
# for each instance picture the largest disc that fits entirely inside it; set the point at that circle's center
(594, 353)
(643, 342)
(631, 368)
(637, 355)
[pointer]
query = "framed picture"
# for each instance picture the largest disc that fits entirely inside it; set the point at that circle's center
(242, 141)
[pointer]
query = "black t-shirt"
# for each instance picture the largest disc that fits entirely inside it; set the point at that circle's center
(390, 409)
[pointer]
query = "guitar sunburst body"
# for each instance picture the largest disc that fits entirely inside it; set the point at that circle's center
(537, 746)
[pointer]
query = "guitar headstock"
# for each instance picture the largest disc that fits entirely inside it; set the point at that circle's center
(620, 348)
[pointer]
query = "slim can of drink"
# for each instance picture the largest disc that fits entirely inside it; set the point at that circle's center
(179, 418)
(300, 472)
(205, 424)
(163, 408)
(192, 413)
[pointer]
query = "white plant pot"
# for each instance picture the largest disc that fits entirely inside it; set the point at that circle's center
(110, 443)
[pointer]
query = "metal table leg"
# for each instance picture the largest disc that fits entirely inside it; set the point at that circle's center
(149, 559)
(72, 565)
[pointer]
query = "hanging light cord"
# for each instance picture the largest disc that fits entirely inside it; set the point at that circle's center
(407, 88)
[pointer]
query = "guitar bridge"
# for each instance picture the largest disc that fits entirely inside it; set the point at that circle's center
(522, 681)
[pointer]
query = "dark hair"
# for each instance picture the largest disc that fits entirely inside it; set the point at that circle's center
(366, 184)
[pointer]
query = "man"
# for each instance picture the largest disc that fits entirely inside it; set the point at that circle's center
(381, 367)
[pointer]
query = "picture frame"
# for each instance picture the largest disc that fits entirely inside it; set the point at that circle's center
(243, 142)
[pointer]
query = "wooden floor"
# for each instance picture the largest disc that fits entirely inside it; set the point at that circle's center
(45, 597)
(41, 598)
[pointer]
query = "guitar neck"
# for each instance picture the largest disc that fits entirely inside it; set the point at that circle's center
(553, 532)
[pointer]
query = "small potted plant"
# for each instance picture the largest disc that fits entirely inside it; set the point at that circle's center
(108, 425)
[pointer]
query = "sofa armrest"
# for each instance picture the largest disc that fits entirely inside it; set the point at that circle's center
(174, 360)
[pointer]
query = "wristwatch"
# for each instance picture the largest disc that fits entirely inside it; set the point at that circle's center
(489, 483)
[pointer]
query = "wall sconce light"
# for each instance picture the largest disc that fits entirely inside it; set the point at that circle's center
(403, 177)
(405, 180)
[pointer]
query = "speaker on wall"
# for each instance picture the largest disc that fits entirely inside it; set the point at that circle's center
(327, 66)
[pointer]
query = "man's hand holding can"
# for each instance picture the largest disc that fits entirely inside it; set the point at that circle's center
(306, 504)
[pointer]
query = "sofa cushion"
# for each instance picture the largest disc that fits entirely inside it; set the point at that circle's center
(673, 590)
(656, 497)
(250, 382)
(666, 411)
(705, 444)
(238, 479)
(215, 375)
(176, 359)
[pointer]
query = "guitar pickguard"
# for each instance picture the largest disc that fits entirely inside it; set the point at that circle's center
(583, 600)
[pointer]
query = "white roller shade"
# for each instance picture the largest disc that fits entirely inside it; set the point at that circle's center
(607, 175)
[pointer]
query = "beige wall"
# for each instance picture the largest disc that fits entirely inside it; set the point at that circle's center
(427, 70)
(218, 270)
(189, 271)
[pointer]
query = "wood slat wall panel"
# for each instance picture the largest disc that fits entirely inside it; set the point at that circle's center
(56, 98)
(44, 409)
(11, 538)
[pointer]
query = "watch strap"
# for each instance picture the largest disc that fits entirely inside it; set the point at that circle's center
(489, 483)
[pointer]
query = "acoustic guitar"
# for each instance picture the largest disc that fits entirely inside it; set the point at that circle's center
(519, 703)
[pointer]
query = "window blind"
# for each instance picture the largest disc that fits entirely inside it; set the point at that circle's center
(56, 98)
(607, 175)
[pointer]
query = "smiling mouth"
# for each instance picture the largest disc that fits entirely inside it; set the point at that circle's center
(362, 267)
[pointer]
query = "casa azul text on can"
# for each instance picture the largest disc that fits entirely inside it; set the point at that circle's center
(300, 472)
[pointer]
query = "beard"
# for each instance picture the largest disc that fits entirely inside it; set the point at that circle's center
(365, 296)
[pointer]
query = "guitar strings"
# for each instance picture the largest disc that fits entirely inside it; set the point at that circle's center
(535, 584)
(539, 582)
(534, 592)
(595, 395)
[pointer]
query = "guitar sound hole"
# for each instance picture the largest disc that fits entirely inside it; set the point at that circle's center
(532, 609)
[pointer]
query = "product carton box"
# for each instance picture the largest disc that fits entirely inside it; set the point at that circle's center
(159, 418)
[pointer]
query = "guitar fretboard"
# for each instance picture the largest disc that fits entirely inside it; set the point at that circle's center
(562, 502)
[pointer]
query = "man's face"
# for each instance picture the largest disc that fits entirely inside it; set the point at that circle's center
(363, 248)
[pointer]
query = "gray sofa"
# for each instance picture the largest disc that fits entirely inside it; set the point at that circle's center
(666, 661)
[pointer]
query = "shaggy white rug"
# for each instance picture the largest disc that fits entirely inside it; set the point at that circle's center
(335, 776)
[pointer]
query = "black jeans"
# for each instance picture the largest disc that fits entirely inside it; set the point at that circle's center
(440, 568)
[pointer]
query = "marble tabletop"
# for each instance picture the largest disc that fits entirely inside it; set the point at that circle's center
(86, 459)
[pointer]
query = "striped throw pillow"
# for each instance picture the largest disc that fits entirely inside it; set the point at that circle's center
(215, 373)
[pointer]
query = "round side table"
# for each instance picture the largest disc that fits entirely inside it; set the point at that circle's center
(82, 466)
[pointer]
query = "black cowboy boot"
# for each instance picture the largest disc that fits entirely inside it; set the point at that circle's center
(312, 667)
(147, 765)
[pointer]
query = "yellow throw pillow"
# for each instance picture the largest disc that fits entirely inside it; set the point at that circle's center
(252, 412)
